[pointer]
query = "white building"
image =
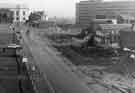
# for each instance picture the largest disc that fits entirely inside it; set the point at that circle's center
(20, 13)
(44, 17)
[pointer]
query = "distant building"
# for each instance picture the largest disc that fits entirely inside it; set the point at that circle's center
(18, 13)
(43, 16)
(38, 16)
(98, 9)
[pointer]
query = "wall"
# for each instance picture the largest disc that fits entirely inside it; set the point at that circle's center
(127, 39)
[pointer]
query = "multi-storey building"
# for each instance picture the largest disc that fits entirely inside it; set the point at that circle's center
(88, 10)
(18, 13)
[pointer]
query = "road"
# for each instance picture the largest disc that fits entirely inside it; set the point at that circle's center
(61, 78)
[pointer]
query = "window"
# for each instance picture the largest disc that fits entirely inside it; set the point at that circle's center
(23, 12)
(24, 19)
(17, 18)
(17, 13)
(100, 16)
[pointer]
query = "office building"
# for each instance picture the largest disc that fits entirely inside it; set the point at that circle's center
(98, 9)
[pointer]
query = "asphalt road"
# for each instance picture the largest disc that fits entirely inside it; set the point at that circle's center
(61, 79)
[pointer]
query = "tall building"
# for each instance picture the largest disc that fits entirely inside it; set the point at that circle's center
(98, 9)
(18, 13)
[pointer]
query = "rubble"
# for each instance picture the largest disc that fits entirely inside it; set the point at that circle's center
(105, 70)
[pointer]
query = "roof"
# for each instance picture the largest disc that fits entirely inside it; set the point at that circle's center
(128, 29)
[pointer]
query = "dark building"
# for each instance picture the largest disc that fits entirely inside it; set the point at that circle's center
(97, 9)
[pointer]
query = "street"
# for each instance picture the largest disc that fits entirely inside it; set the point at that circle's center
(59, 75)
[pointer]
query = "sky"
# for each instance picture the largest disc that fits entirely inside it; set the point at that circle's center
(58, 8)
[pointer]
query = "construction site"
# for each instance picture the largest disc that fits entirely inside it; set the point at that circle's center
(54, 59)
(94, 55)
(105, 63)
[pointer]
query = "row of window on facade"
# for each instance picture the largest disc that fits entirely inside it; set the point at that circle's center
(17, 13)
(18, 18)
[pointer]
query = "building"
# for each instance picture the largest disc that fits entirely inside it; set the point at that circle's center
(43, 15)
(38, 16)
(14, 12)
(127, 37)
(98, 9)
(108, 36)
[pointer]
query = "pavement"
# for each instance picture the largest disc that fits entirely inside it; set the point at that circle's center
(61, 78)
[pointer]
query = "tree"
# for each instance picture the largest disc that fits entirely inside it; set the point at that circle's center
(6, 16)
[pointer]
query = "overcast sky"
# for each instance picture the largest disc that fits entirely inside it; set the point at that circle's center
(60, 8)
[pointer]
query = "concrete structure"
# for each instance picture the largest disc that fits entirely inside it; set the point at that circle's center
(87, 10)
(20, 13)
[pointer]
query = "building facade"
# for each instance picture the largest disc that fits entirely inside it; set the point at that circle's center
(18, 13)
(88, 10)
